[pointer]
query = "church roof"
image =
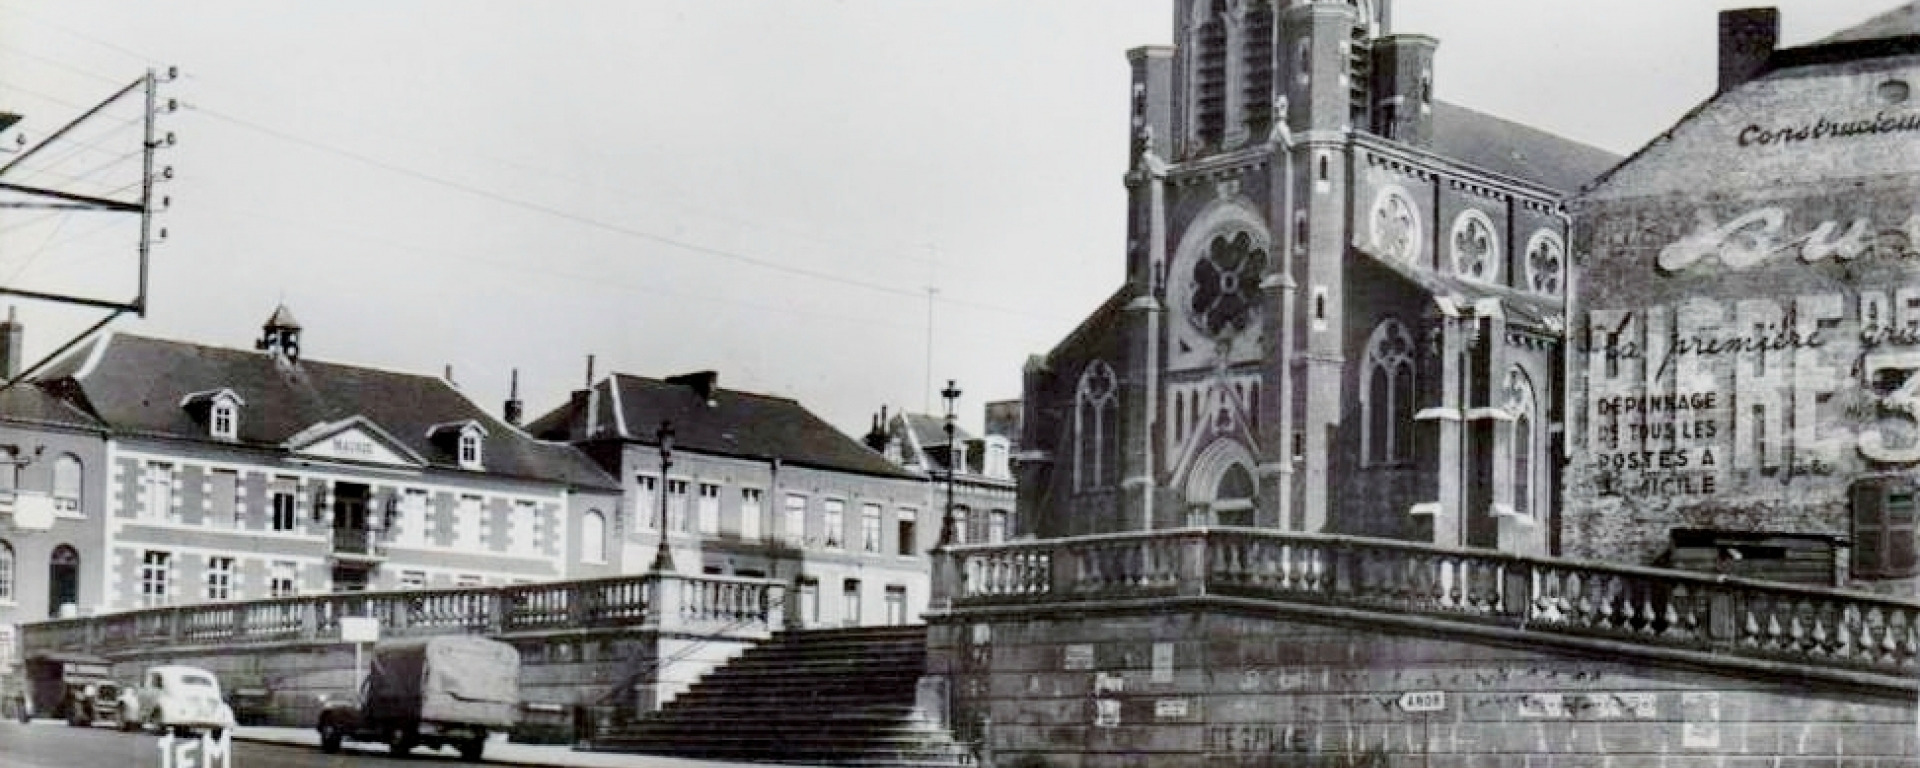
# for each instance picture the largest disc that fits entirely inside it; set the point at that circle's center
(1511, 149)
(1899, 22)
(135, 385)
(1527, 309)
(717, 421)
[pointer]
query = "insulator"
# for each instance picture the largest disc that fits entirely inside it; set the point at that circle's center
(167, 172)
(169, 141)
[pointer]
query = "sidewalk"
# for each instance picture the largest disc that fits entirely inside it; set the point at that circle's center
(500, 751)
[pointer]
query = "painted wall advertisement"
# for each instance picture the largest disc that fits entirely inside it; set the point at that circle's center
(1735, 351)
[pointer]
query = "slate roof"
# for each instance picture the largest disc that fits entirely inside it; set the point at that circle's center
(1526, 309)
(28, 403)
(731, 423)
(1899, 22)
(135, 385)
(1511, 149)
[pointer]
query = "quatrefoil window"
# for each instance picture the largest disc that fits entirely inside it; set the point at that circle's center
(1476, 249)
(1546, 257)
(1226, 285)
(1396, 225)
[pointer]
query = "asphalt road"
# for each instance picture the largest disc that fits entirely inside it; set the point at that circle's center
(50, 744)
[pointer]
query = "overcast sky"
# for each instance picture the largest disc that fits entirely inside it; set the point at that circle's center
(759, 187)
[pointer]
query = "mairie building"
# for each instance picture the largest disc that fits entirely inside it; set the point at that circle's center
(1343, 300)
(1747, 321)
(148, 472)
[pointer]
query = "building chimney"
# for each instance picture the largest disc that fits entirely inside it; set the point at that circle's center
(12, 337)
(448, 375)
(877, 434)
(514, 409)
(589, 371)
(1747, 38)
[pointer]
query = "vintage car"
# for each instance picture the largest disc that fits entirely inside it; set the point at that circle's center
(431, 692)
(63, 685)
(184, 699)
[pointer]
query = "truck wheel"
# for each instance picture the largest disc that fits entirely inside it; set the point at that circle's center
(329, 738)
(472, 749)
(400, 741)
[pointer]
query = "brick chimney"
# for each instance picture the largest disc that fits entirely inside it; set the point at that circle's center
(12, 341)
(1747, 37)
(513, 409)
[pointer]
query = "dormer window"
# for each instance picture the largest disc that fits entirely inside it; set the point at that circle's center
(218, 409)
(465, 440)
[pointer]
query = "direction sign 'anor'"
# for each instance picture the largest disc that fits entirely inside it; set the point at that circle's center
(1423, 701)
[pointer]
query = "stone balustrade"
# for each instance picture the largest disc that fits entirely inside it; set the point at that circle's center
(1648, 606)
(720, 606)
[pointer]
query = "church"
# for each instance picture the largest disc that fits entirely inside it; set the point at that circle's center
(1343, 309)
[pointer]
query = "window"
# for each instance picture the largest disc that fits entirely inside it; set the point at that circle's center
(996, 526)
(7, 573)
(809, 601)
(412, 525)
(1257, 65)
(870, 528)
(469, 523)
(1476, 249)
(836, 523)
(905, 540)
(593, 537)
(226, 418)
(709, 510)
(1520, 403)
(159, 491)
(896, 605)
(1210, 64)
(677, 505)
(1396, 225)
(63, 581)
(283, 503)
(66, 483)
(850, 603)
(1095, 422)
(1544, 261)
(793, 521)
(750, 514)
(155, 572)
(645, 504)
(413, 579)
(523, 529)
(469, 449)
(219, 578)
(281, 579)
(223, 492)
(1884, 511)
(960, 525)
(1386, 397)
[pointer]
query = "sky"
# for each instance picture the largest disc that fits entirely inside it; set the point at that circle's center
(764, 188)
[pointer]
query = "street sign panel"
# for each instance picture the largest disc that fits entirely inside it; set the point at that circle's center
(1423, 701)
(355, 629)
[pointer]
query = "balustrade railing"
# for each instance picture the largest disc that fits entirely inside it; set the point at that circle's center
(730, 606)
(1725, 615)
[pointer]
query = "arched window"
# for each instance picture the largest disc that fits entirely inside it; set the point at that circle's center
(66, 483)
(593, 537)
(7, 581)
(1095, 421)
(1520, 403)
(1544, 261)
(63, 579)
(1210, 74)
(1386, 395)
(1256, 53)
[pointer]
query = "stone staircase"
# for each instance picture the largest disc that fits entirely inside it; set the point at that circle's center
(824, 697)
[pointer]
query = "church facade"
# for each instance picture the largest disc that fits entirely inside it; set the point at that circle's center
(1342, 309)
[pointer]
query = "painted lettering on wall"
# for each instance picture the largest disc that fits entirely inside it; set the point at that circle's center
(1755, 135)
(1762, 234)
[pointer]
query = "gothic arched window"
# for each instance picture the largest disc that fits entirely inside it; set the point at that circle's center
(1520, 402)
(1096, 410)
(1257, 54)
(1386, 395)
(1210, 74)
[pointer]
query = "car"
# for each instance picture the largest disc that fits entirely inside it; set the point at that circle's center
(105, 700)
(183, 699)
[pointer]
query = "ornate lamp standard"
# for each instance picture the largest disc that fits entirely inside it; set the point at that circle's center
(950, 394)
(663, 558)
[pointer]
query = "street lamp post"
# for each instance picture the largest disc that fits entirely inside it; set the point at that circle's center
(663, 558)
(947, 532)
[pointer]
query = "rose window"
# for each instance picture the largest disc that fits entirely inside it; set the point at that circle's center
(1396, 226)
(1474, 253)
(1226, 285)
(1544, 261)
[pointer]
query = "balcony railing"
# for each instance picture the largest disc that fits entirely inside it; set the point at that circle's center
(359, 542)
(1654, 607)
(711, 605)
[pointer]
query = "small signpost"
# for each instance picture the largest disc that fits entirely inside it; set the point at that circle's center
(1425, 703)
(359, 630)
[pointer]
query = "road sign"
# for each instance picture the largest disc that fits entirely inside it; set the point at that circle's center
(356, 629)
(1423, 701)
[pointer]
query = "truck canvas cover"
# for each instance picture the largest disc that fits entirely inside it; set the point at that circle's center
(451, 679)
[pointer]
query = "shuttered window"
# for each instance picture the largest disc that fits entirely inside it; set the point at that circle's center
(1884, 512)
